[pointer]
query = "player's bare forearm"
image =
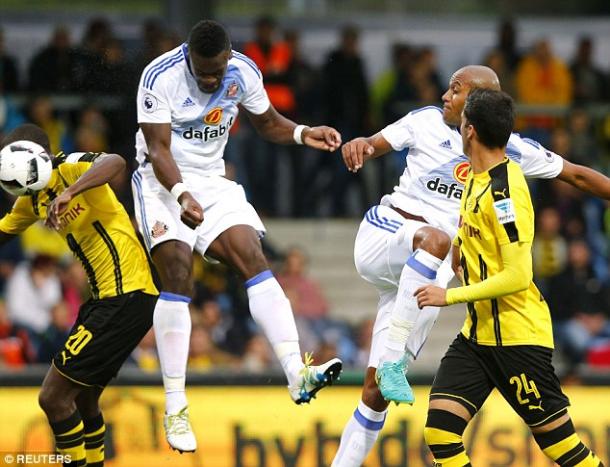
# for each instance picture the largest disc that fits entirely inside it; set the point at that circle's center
(273, 126)
(380, 146)
(586, 179)
(158, 142)
(359, 150)
(104, 169)
(276, 128)
(165, 168)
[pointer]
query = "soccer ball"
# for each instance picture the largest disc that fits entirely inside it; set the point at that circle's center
(25, 168)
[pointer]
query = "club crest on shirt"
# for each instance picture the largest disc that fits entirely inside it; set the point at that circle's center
(213, 117)
(158, 229)
(232, 89)
(460, 172)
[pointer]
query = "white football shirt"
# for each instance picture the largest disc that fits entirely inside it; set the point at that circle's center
(200, 122)
(433, 181)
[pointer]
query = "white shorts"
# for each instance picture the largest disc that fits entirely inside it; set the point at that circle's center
(383, 244)
(157, 212)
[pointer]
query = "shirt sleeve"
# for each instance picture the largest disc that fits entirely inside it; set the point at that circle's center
(512, 219)
(536, 160)
(515, 276)
(20, 217)
(77, 164)
(153, 106)
(401, 133)
(255, 99)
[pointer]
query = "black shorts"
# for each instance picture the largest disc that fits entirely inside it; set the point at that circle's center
(105, 332)
(523, 374)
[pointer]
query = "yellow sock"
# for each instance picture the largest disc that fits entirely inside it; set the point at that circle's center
(443, 435)
(95, 431)
(565, 447)
(69, 439)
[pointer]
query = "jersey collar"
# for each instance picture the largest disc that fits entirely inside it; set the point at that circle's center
(185, 52)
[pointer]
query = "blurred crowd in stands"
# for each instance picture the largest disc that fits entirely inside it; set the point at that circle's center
(41, 287)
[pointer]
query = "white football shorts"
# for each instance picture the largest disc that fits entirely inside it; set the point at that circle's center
(157, 212)
(383, 244)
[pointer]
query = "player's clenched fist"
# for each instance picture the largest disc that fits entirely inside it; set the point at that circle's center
(191, 212)
(355, 152)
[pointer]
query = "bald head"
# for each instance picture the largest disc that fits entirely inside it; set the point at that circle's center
(479, 76)
(461, 83)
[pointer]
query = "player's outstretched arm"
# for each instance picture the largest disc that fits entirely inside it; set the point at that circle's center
(103, 169)
(586, 179)
(158, 138)
(276, 128)
(515, 276)
(359, 150)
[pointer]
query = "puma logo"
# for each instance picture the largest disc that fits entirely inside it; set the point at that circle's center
(500, 193)
(64, 357)
(536, 407)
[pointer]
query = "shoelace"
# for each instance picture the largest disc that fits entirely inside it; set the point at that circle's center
(395, 374)
(178, 424)
(308, 376)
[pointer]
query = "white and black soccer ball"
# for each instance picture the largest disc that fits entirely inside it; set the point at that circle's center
(25, 168)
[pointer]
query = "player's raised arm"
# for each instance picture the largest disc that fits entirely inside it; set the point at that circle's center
(359, 150)
(539, 162)
(585, 179)
(158, 141)
(276, 128)
(104, 168)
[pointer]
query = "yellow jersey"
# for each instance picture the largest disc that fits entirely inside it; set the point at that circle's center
(497, 210)
(96, 227)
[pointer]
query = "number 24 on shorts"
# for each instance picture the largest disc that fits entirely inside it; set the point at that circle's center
(525, 387)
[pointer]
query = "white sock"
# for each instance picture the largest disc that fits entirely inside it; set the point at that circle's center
(359, 436)
(172, 324)
(272, 312)
(419, 270)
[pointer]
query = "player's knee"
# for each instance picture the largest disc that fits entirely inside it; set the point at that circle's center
(434, 241)
(51, 402)
(44, 400)
(177, 278)
(251, 261)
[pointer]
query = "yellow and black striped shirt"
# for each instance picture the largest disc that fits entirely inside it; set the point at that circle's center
(497, 210)
(95, 226)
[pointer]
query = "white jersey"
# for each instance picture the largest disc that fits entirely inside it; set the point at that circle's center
(433, 181)
(200, 122)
